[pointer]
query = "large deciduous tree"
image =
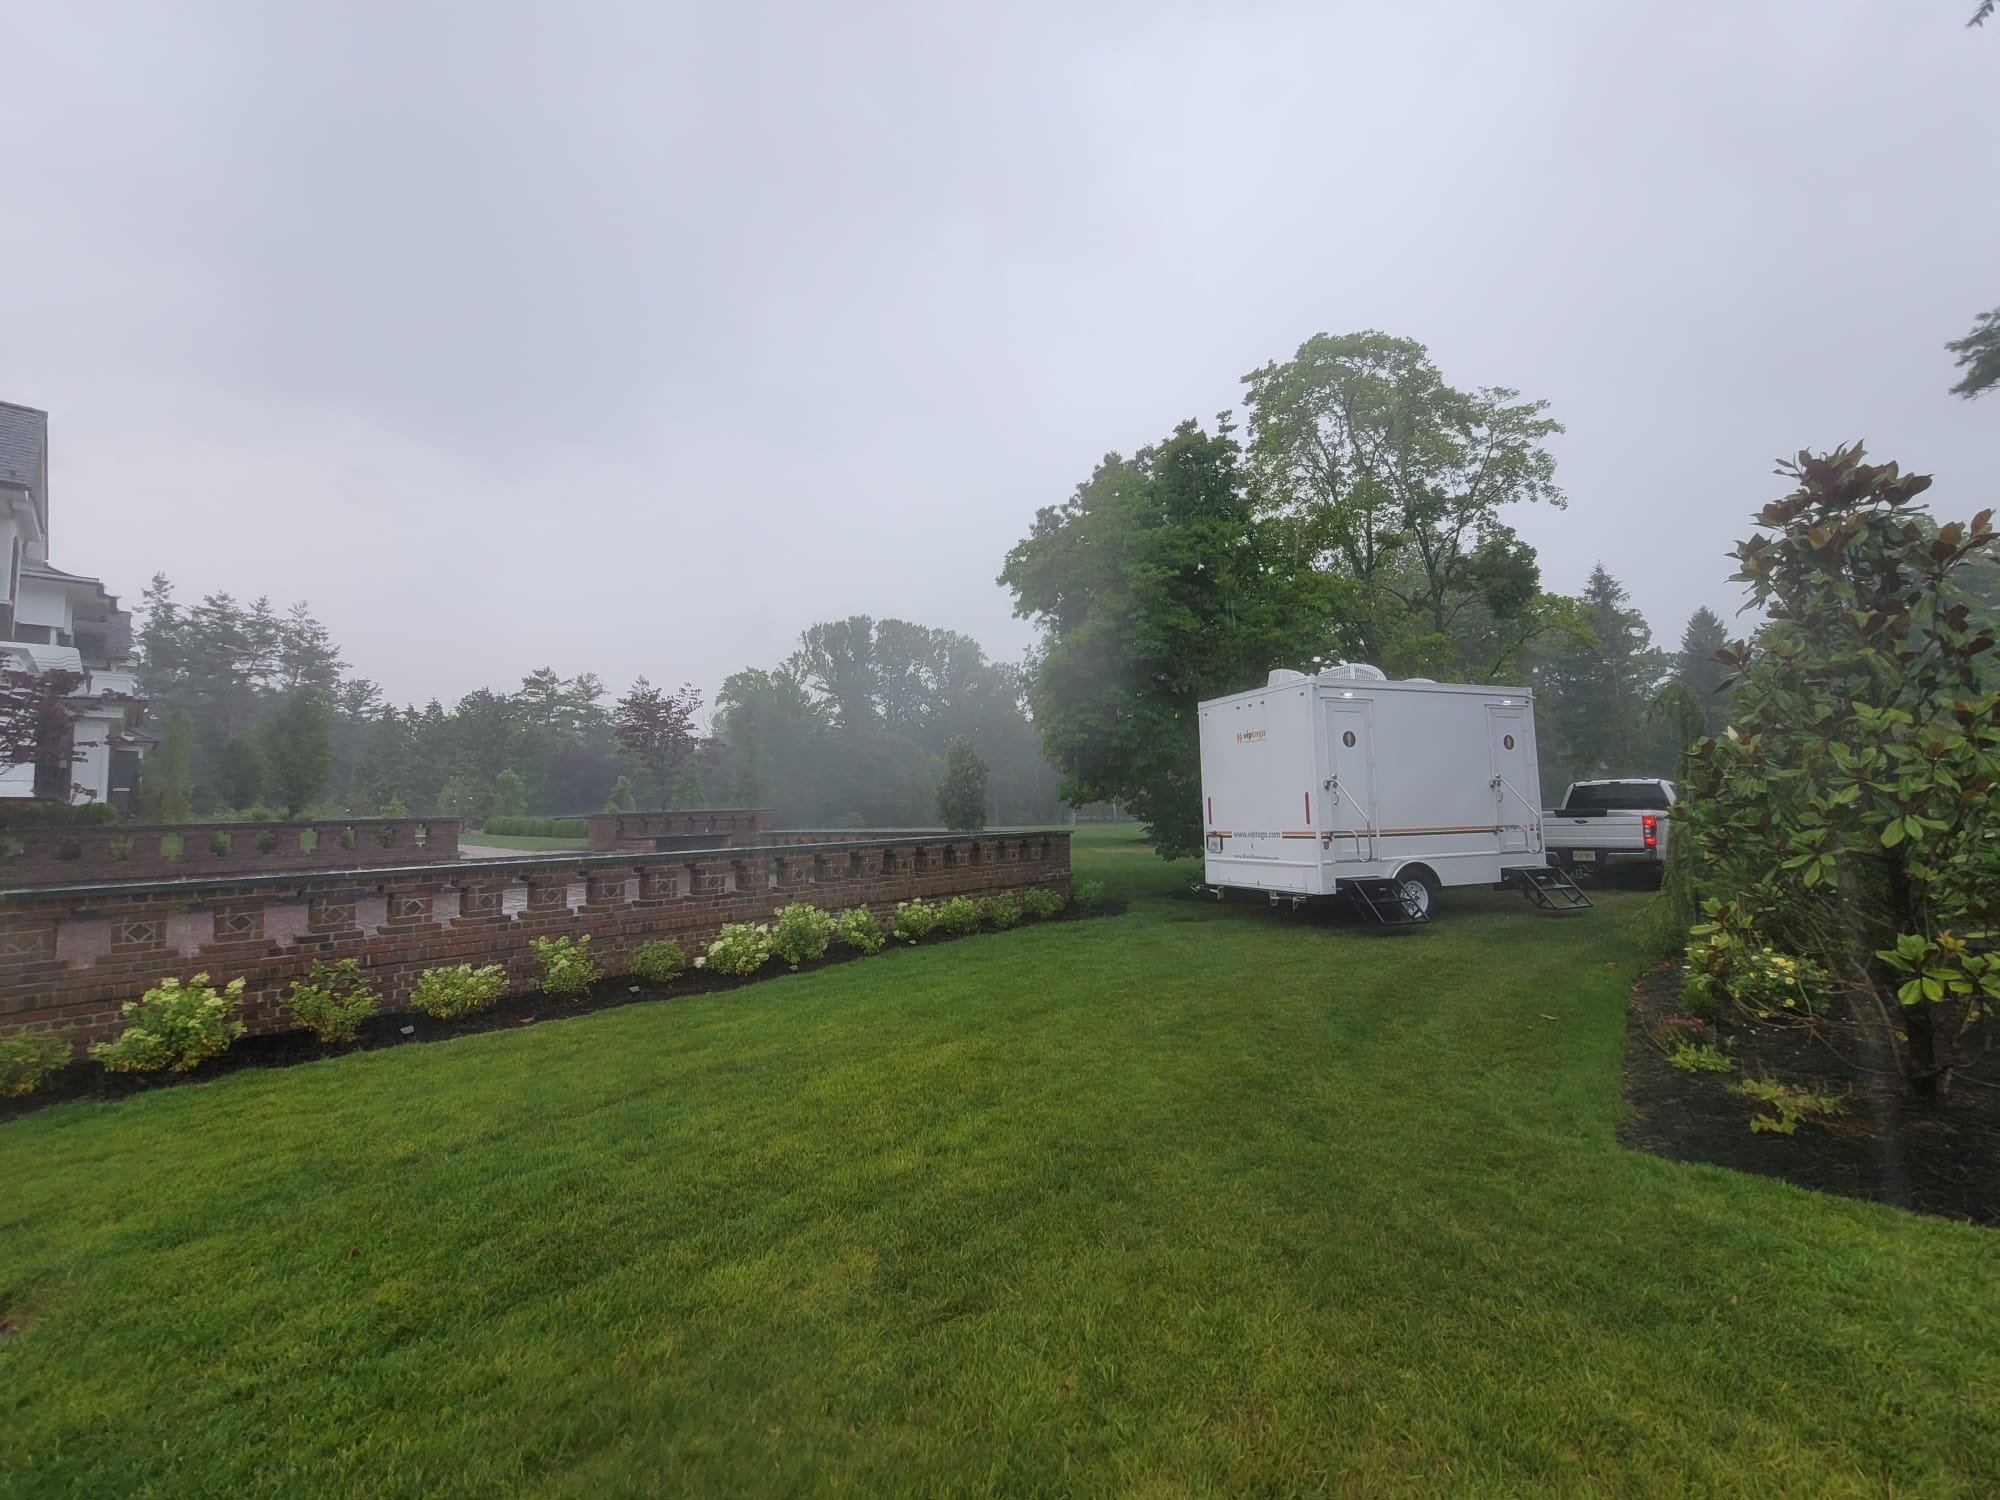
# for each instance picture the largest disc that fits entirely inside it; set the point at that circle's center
(656, 729)
(1859, 782)
(1158, 584)
(1398, 484)
(38, 717)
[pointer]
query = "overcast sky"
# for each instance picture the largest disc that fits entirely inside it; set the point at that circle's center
(635, 338)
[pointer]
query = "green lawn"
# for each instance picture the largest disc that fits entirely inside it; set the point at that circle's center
(1198, 1199)
(520, 841)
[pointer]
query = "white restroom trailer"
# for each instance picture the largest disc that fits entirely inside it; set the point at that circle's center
(1349, 783)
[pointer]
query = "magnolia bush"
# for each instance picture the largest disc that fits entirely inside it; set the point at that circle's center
(1856, 791)
(174, 1026)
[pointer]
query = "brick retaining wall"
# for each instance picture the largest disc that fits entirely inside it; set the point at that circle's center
(69, 955)
(161, 851)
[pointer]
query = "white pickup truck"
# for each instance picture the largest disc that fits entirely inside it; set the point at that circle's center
(1603, 824)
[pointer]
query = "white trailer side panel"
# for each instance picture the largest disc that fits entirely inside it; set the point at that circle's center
(1258, 780)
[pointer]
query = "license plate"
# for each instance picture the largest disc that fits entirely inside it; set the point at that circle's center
(1584, 856)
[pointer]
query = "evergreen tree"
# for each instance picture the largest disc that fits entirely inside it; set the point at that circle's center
(1698, 671)
(299, 746)
(305, 655)
(166, 791)
(382, 776)
(622, 799)
(1593, 691)
(243, 772)
(961, 795)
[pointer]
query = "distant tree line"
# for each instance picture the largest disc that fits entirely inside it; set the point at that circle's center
(259, 714)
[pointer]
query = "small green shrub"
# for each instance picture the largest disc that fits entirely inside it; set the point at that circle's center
(28, 1057)
(1783, 1107)
(659, 962)
(1087, 895)
(1041, 903)
(333, 1000)
(858, 929)
(174, 1027)
(1698, 1057)
(800, 933)
(1003, 911)
(1761, 980)
(568, 966)
(22, 812)
(915, 920)
(958, 916)
(741, 948)
(460, 990)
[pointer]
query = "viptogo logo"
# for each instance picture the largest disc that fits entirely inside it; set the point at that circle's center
(1248, 736)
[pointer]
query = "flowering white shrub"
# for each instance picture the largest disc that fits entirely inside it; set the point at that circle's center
(460, 990)
(800, 933)
(174, 1026)
(741, 948)
(858, 929)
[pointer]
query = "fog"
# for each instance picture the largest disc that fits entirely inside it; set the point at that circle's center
(634, 339)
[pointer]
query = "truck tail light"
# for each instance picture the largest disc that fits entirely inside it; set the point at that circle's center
(1652, 831)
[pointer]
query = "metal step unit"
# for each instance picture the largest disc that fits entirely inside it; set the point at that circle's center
(1383, 899)
(1547, 887)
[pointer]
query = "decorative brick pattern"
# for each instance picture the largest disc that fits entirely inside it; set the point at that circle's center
(268, 929)
(126, 851)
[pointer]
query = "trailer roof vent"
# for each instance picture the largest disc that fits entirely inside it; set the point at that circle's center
(1283, 675)
(1354, 671)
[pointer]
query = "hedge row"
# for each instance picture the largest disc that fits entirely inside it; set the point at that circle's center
(536, 828)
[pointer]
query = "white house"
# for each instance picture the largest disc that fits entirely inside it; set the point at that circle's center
(56, 621)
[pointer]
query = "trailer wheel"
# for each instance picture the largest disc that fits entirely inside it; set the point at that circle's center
(1419, 888)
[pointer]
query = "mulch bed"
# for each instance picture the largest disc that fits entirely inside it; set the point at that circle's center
(1884, 1146)
(88, 1080)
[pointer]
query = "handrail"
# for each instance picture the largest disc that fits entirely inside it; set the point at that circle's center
(1533, 828)
(1367, 822)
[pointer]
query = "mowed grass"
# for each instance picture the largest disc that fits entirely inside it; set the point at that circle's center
(1194, 1200)
(530, 843)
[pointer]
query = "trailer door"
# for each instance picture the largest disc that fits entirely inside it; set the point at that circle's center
(1513, 812)
(1347, 797)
